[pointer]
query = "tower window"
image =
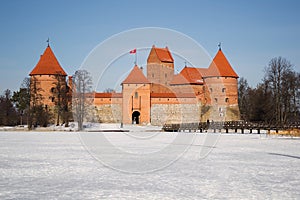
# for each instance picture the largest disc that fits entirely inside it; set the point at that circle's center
(223, 90)
(211, 90)
(216, 100)
(136, 95)
(52, 99)
(166, 75)
(226, 100)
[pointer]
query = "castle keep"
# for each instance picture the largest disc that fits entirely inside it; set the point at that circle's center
(160, 96)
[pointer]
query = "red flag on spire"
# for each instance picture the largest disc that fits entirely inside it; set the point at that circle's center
(132, 51)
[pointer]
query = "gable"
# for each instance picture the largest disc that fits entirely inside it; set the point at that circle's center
(136, 76)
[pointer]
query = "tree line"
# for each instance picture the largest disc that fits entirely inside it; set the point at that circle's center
(25, 106)
(276, 100)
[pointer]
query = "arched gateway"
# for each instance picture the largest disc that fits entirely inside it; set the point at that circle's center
(136, 117)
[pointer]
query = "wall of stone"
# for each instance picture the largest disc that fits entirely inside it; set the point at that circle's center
(110, 113)
(220, 113)
(175, 113)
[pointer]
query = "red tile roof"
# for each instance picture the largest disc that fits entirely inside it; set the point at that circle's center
(48, 65)
(188, 75)
(220, 67)
(163, 54)
(108, 95)
(172, 95)
(136, 76)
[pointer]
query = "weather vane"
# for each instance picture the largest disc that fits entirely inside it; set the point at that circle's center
(48, 41)
(219, 45)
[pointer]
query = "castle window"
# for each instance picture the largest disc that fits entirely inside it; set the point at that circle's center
(223, 90)
(136, 95)
(226, 100)
(52, 99)
(52, 90)
(216, 100)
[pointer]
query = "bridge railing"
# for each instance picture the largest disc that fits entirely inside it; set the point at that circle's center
(233, 125)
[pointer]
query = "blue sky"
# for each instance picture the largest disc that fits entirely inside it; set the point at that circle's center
(251, 32)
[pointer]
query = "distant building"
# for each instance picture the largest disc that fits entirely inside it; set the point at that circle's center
(193, 95)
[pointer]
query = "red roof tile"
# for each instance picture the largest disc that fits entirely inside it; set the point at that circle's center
(163, 54)
(48, 65)
(108, 95)
(136, 76)
(172, 95)
(188, 75)
(220, 67)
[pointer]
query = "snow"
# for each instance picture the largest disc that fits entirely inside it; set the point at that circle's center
(147, 164)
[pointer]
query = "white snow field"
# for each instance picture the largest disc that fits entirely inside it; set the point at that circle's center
(147, 165)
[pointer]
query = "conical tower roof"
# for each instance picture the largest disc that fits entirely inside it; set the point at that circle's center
(220, 67)
(136, 76)
(48, 65)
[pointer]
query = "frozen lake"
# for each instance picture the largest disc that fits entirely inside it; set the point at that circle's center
(147, 165)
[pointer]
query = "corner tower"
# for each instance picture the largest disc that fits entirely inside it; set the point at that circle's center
(46, 76)
(222, 84)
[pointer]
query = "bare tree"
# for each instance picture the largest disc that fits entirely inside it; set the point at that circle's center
(243, 98)
(109, 90)
(38, 115)
(61, 94)
(82, 97)
(282, 82)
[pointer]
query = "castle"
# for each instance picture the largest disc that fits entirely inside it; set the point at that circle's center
(160, 96)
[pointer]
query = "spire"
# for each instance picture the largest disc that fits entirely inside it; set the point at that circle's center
(48, 65)
(220, 66)
(48, 41)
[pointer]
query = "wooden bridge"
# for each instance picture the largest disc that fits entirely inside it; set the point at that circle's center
(229, 125)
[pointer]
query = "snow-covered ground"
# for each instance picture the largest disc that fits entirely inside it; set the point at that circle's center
(144, 164)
